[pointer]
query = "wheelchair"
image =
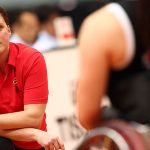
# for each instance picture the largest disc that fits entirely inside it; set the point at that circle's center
(117, 134)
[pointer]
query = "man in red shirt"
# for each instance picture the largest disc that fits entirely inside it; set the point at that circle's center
(23, 96)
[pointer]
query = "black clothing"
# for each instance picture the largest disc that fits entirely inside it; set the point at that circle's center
(7, 144)
(26, 149)
(129, 88)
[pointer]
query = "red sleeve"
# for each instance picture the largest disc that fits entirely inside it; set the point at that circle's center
(36, 82)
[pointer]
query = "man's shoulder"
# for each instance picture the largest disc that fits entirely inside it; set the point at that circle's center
(23, 49)
(24, 53)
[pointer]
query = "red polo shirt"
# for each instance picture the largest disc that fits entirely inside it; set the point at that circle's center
(25, 83)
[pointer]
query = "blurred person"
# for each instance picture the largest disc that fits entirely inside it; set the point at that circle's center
(47, 38)
(26, 28)
(114, 44)
(23, 96)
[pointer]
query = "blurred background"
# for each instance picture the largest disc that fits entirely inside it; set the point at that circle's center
(76, 10)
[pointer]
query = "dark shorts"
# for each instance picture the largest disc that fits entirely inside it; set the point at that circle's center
(6, 144)
(26, 149)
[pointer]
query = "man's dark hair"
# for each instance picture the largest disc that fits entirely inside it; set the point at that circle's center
(3, 13)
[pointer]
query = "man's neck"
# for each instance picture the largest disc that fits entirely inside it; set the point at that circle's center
(3, 61)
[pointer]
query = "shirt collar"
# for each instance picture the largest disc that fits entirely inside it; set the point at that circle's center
(13, 53)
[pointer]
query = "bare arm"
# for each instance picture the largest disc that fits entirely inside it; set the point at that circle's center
(97, 44)
(31, 117)
(31, 134)
(26, 134)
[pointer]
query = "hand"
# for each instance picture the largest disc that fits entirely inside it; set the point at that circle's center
(48, 142)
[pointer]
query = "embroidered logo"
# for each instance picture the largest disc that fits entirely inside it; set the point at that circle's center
(15, 82)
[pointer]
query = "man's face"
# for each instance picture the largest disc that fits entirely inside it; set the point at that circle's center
(4, 35)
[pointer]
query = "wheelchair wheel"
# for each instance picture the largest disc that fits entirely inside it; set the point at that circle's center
(113, 135)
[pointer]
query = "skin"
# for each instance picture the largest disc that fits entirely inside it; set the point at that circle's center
(23, 125)
(4, 42)
(102, 47)
(30, 134)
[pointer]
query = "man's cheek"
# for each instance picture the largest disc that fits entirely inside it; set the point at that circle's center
(5, 36)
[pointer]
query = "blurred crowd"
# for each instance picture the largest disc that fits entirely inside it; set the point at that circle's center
(34, 27)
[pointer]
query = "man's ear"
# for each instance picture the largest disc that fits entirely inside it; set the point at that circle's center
(9, 30)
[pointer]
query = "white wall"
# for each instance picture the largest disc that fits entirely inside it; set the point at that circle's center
(62, 66)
